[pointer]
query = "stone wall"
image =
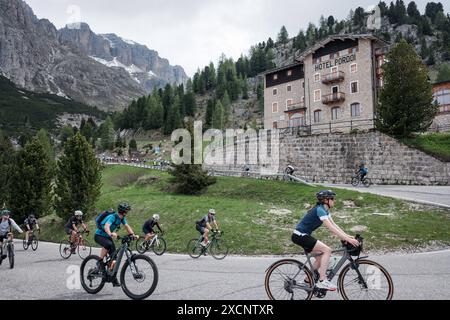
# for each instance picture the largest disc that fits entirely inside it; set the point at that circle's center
(333, 158)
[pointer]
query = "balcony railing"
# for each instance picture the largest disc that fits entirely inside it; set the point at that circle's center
(333, 77)
(333, 98)
(295, 106)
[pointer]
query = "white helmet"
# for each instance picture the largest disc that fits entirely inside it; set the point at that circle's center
(212, 211)
(78, 213)
(156, 217)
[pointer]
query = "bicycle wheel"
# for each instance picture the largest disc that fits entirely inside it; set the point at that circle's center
(370, 281)
(34, 243)
(159, 247)
(367, 182)
(11, 255)
(65, 249)
(84, 249)
(194, 248)
(218, 249)
(92, 279)
(141, 245)
(289, 280)
(355, 181)
(139, 279)
(25, 244)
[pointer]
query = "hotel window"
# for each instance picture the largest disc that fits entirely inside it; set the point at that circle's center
(317, 94)
(356, 109)
(317, 116)
(334, 55)
(354, 87)
(353, 68)
(275, 77)
(275, 92)
(303, 85)
(275, 107)
(334, 70)
(442, 97)
(353, 50)
(317, 77)
(289, 102)
(335, 112)
(289, 73)
(289, 88)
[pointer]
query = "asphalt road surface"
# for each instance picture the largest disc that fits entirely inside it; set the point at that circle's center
(433, 195)
(44, 275)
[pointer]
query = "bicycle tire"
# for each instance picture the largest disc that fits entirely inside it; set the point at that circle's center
(218, 249)
(161, 248)
(90, 273)
(11, 255)
(194, 248)
(348, 267)
(140, 246)
(84, 249)
(65, 249)
(309, 286)
(34, 243)
(355, 181)
(152, 288)
(367, 182)
(25, 244)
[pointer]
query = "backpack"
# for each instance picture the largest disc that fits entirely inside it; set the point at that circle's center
(102, 216)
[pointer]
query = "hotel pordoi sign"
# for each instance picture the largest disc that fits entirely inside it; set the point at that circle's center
(335, 62)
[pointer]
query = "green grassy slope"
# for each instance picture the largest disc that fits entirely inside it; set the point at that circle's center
(258, 216)
(436, 144)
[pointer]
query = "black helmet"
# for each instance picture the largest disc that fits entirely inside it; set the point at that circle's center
(5, 212)
(124, 207)
(325, 194)
(31, 216)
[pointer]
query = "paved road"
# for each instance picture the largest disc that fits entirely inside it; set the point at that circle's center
(42, 275)
(434, 195)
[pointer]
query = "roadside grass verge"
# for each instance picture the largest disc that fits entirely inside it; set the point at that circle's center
(258, 216)
(435, 144)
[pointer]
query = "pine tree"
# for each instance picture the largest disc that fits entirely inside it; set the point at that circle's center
(7, 155)
(78, 178)
(300, 41)
(46, 143)
(210, 106)
(218, 116)
(107, 134)
(190, 105)
(412, 11)
(444, 73)
(244, 88)
(406, 101)
(226, 103)
(173, 117)
(283, 36)
(65, 133)
(31, 181)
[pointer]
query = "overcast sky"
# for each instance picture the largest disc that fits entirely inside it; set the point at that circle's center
(191, 33)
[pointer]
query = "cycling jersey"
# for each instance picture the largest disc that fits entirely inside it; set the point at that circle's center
(313, 220)
(30, 222)
(73, 221)
(149, 224)
(363, 171)
(7, 226)
(205, 219)
(114, 222)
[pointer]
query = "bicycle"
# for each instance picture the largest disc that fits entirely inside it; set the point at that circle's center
(8, 248)
(32, 241)
(67, 248)
(157, 244)
(356, 180)
(93, 280)
(217, 246)
(290, 279)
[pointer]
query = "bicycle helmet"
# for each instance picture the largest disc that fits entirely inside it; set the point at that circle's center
(31, 216)
(124, 207)
(78, 213)
(156, 217)
(212, 211)
(5, 212)
(325, 194)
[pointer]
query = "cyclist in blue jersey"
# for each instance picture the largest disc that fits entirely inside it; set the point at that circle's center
(362, 171)
(302, 235)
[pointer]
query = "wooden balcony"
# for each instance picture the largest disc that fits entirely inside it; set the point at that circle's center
(333, 77)
(333, 98)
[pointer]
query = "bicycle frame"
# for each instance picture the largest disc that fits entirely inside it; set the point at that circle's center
(119, 256)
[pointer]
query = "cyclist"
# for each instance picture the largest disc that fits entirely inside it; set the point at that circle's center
(30, 222)
(71, 227)
(313, 219)
(204, 225)
(105, 235)
(289, 170)
(148, 226)
(362, 171)
(6, 226)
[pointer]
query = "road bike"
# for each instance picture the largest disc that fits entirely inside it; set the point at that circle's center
(356, 180)
(138, 276)
(8, 250)
(360, 278)
(217, 247)
(157, 244)
(32, 241)
(67, 248)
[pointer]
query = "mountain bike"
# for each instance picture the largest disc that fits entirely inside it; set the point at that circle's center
(67, 248)
(216, 246)
(356, 180)
(32, 241)
(138, 277)
(8, 250)
(360, 278)
(157, 244)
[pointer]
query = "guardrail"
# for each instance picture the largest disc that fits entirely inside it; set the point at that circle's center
(328, 127)
(136, 165)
